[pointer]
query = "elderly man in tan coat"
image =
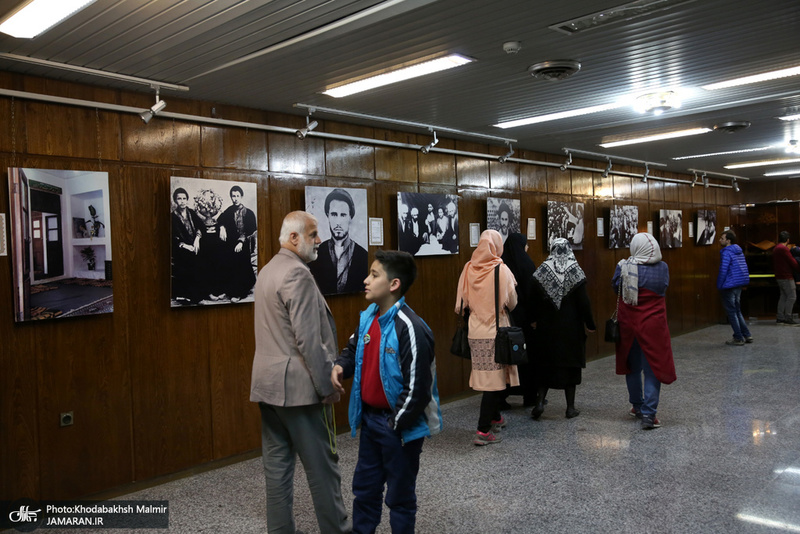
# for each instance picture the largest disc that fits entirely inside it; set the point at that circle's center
(295, 349)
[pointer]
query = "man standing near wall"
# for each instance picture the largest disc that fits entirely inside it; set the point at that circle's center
(785, 265)
(295, 349)
(733, 276)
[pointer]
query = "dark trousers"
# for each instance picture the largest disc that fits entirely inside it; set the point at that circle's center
(490, 409)
(383, 460)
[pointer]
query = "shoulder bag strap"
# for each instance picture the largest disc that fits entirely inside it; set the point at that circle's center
(496, 297)
(619, 294)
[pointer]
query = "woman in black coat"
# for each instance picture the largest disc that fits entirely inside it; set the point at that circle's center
(563, 316)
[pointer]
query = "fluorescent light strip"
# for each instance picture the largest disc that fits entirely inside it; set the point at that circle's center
(39, 16)
(763, 163)
(399, 75)
(724, 153)
(782, 525)
(658, 137)
(784, 173)
(560, 115)
(790, 117)
(764, 77)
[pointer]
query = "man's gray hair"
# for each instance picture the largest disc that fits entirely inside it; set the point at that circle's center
(294, 222)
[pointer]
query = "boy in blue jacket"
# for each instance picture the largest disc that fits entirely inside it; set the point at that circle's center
(733, 276)
(393, 397)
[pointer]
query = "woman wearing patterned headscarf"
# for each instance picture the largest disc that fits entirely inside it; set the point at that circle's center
(476, 292)
(644, 348)
(563, 317)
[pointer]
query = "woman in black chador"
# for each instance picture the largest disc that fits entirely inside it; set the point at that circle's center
(186, 238)
(237, 230)
(563, 315)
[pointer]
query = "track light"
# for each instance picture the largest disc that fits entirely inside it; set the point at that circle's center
(646, 173)
(155, 109)
(503, 159)
(427, 148)
(310, 125)
(705, 180)
(604, 174)
(564, 166)
(695, 179)
(735, 185)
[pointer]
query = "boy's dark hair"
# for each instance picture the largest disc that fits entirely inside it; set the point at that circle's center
(730, 236)
(400, 265)
(783, 237)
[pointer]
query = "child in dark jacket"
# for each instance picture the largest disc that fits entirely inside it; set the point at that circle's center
(394, 395)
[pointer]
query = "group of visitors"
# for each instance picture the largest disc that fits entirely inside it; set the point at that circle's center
(394, 398)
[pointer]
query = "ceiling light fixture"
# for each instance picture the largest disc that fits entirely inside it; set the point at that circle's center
(646, 173)
(503, 159)
(728, 153)
(705, 180)
(628, 11)
(38, 16)
(763, 163)
(735, 185)
(155, 109)
(657, 103)
(792, 147)
(790, 117)
(657, 137)
(695, 179)
(567, 163)
(756, 78)
(783, 173)
(427, 148)
(398, 75)
(559, 115)
(604, 174)
(310, 125)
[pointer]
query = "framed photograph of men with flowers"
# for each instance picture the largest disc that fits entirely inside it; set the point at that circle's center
(214, 241)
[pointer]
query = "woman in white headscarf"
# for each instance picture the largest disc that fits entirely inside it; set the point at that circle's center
(644, 350)
(563, 316)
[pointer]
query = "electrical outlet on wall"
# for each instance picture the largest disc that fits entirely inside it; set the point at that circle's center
(66, 419)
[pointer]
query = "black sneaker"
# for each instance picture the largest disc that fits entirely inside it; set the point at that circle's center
(748, 339)
(734, 341)
(649, 423)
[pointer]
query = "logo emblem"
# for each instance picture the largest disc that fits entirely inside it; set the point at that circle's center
(366, 339)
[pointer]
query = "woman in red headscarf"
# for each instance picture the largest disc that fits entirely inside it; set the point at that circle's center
(476, 292)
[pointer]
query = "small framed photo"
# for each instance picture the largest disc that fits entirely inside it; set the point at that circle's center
(375, 231)
(650, 227)
(474, 234)
(601, 223)
(3, 242)
(532, 229)
(691, 229)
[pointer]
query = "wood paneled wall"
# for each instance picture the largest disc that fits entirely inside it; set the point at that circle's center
(156, 390)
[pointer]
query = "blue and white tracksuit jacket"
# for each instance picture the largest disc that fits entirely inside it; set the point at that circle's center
(407, 369)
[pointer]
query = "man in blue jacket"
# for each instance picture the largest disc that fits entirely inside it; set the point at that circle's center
(733, 276)
(394, 395)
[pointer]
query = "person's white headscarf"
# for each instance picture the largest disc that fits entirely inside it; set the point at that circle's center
(644, 251)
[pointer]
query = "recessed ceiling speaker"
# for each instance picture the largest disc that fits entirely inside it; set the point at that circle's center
(731, 127)
(554, 71)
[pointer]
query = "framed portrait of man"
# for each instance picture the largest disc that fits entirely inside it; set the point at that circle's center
(503, 215)
(706, 227)
(214, 241)
(670, 228)
(342, 261)
(623, 225)
(565, 219)
(427, 224)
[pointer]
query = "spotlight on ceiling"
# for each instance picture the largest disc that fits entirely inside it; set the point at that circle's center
(657, 103)
(567, 163)
(792, 147)
(604, 174)
(735, 185)
(303, 132)
(427, 148)
(646, 173)
(695, 180)
(154, 110)
(705, 180)
(503, 159)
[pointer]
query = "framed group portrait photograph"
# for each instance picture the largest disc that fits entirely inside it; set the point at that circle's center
(623, 225)
(566, 219)
(427, 224)
(213, 241)
(60, 224)
(670, 228)
(342, 262)
(503, 215)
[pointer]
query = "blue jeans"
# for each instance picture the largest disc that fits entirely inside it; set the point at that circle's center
(645, 401)
(383, 459)
(731, 301)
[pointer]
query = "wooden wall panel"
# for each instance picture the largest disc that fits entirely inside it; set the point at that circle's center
(169, 389)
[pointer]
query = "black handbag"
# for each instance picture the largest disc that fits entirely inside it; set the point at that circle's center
(612, 325)
(509, 343)
(460, 344)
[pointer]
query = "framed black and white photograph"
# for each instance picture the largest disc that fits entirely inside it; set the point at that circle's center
(670, 228)
(342, 262)
(214, 241)
(623, 225)
(503, 215)
(565, 219)
(60, 243)
(427, 224)
(706, 227)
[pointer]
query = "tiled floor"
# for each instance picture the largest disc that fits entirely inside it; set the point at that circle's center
(727, 458)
